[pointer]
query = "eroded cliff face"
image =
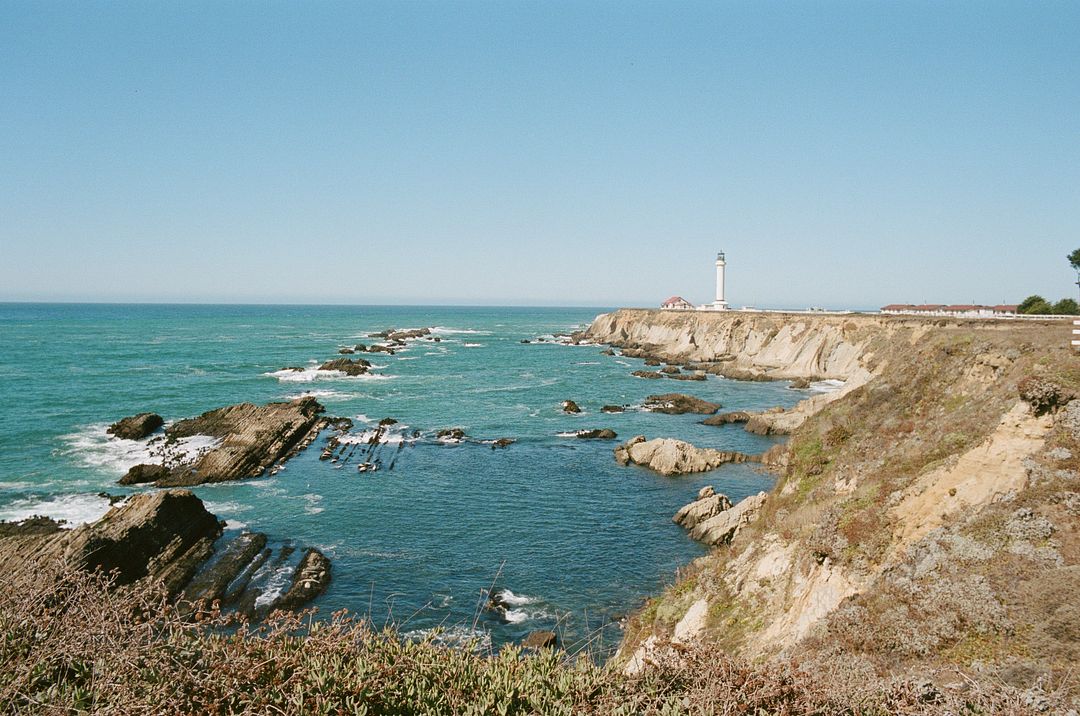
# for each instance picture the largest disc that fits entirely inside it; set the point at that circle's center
(752, 345)
(923, 517)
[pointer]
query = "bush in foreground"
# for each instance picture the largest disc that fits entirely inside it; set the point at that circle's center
(70, 643)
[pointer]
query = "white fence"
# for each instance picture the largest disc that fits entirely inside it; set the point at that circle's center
(1076, 332)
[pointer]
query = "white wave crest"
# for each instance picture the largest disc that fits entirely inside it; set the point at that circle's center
(444, 331)
(94, 447)
(73, 509)
(826, 386)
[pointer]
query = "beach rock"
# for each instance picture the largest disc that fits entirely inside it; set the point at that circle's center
(348, 366)
(676, 457)
(253, 439)
(670, 369)
(309, 580)
(136, 427)
(723, 527)
(612, 409)
(652, 362)
(595, 434)
(799, 384)
(622, 452)
(502, 442)
(570, 406)
(738, 416)
(140, 474)
(687, 376)
(648, 374)
(162, 535)
(701, 509)
(540, 639)
(677, 404)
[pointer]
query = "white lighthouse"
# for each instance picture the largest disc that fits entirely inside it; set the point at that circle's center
(720, 304)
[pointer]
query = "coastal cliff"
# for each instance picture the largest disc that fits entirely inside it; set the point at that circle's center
(925, 517)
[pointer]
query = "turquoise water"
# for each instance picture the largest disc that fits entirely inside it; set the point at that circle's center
(581, 540)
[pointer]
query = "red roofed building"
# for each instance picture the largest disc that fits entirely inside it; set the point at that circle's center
(676, 303)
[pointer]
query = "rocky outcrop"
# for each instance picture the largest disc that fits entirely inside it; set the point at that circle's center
(738, 416)
(674, 457)
(216, 575)
(451, 435)
(253, 439)
(612, 409)
(348, 366)
(144, 473)
(647, 374)
(677, 404)
(570, 406)
(161, 536)
(136, 427)
(711, 522)
(310, 579)
(596, 434)
(686, 376)
(708, 504)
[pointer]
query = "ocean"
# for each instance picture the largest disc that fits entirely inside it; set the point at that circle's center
(579, 540)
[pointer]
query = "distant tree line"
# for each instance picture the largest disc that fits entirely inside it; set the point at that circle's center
(1036, 304)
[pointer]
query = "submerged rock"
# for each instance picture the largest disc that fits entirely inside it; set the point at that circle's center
(647, 374)
(455, 435)
(612, 409)
(309, 580)
(136, 427)
(670, 369)
(675, 457)
(502, 442)
(218, 573)
(687, 376)
(677, 404)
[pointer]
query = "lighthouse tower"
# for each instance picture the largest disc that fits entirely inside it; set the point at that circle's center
(720, 304)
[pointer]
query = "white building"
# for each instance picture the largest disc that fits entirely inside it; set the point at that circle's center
(676, 303)
(720, 304)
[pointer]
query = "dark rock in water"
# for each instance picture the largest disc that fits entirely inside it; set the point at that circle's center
(387, 421)
(294, 368)
(113, 499)
(502, 442)
(437, 339)
(346, 351)
(310, 580)
(738, 416)
(498, 604)
(360, 348)
(136, 427)
(144, 473)
(451, 435)
(570, 406)
(651, 362)
(687, 376)
(608, 352)
(799, 384)
(597, 434)
(253, 439)
(541, 639)
(612, 409)
(651, 375)
(525, 340)
(381, 349)
(348, 366)
(219, 572)
(677, 404)
(541, 340)
(670, 369)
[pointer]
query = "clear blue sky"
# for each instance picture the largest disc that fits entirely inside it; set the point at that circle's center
(841, 153)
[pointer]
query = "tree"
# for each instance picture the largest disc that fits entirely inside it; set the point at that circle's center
(1034, 304)
(1067, 307)
(1074, 260)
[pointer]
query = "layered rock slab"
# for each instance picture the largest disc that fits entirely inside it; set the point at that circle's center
(668, 456)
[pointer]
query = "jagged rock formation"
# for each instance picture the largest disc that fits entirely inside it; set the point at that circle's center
(677, 404)
(165, 537)
(253, 439)
(348, 366)
(674, 457)
(713, 520)
(136, 427)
